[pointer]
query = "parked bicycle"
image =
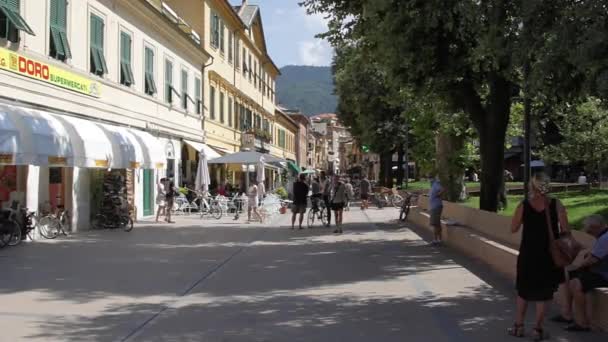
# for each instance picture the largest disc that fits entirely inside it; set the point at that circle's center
(318, 211)
(59, 222)
(211, 207)
(113, 215)
(407, 204)
(10, 232)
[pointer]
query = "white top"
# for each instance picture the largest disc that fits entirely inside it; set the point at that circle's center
(582, 179)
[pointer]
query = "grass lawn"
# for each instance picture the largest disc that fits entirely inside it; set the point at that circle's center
(579, 204)
(425, 185)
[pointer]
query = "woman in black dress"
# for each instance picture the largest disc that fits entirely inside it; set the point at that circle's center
(537, 276)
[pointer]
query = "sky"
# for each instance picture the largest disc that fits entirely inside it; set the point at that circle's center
(290, 33)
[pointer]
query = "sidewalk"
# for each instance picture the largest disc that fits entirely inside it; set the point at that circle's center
(233, 282)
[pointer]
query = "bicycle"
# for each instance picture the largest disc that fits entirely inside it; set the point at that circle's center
(52, 225)
(317, 211)
(10, 232)
(410, 200)
(112, 221)
(211, 208)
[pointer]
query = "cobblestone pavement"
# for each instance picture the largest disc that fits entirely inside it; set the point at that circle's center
(206, 280)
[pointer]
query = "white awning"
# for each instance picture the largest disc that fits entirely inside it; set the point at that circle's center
(209, 152)
(91, 145)
(34, 137)
(153, 152)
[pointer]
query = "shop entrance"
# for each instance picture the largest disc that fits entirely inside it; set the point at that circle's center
(147, 185)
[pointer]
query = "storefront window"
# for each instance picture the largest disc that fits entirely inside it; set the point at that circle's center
(8, 182)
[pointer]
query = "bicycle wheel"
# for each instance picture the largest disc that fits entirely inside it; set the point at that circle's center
(216, 212)
(325, 217)
(49, 227)
(98, 222)
(397, 200)
(127, 223)
(311, 218)
(6, 234)
(16, 237)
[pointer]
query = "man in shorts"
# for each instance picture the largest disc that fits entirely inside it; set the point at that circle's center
(591, 274)
(300, 195)
(436, 208)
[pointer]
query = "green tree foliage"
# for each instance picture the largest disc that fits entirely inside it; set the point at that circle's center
(584, 131)
(471, 54)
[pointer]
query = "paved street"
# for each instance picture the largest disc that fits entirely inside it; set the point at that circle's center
(227, 282)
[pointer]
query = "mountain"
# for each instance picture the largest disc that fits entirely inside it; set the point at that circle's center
(307, 88)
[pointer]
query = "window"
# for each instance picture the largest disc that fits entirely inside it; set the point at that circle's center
(59, 49)
(249, 67)
(212, 103)
(215, 30)
(185, 89)
(255, 74)
(168, 81)
(126, 72)
(150, 86)
(197, 94)
(222, 40)
(244, 62)
(11, 20)
(222, 102)
(237, 53)
(281, 138)
(98, 61)
(230, 46)
(230, 113)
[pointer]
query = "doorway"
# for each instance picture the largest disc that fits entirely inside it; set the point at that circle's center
(147, 185)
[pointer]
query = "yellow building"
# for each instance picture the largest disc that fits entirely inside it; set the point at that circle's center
(239, 81)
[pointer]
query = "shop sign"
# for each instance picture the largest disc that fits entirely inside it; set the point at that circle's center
(135, 165)
(248, 140)
(58, 161)
(160, 165)
(101, 163)
(48, 73)
(7, 159)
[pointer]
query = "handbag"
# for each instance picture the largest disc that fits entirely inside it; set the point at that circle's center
(563, 249)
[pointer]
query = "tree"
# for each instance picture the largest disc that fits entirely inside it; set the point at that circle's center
(472, 53)
(584, 131)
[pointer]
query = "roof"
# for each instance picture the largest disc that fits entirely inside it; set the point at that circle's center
(324, 116)
(248, 13)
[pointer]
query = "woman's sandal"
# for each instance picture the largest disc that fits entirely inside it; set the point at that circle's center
(517, 330)
(539, 334)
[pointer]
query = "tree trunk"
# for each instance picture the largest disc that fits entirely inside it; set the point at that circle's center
(400, 170)
(450, 171)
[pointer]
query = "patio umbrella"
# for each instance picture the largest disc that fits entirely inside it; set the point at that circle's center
(261, 177)
(202, 173)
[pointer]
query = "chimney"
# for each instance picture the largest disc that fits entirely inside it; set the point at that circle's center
(244, 3)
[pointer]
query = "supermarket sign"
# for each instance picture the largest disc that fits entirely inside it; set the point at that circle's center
(17, 63)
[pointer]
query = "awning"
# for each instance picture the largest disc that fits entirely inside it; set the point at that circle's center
(34, 137)
(222, 151)
(295, 168)
(245, 157)
(209, 152)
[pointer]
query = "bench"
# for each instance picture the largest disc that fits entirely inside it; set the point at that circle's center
(493, 244)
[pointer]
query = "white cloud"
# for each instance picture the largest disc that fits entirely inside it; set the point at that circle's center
(315, 22)
(315, 52)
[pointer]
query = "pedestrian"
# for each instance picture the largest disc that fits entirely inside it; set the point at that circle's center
(300, 195)
(252, 202)
(326, 191)
(338, 201)
(261, 193)
(537, 276)
(170, 193)
(161, 200)
(349, 194)
(590, 274)
(364, 188)
(436, 207)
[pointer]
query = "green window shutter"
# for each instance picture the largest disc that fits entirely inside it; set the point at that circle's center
(212, 103)
(168, 81)
(197, 94)
(222, 30)
(11, 9)
(150, 86)
(184, 89)
(98, 61)
(221, 107)
(237, 52)
(126, 72)
(230, 46)
(230, 113)
(212, 28)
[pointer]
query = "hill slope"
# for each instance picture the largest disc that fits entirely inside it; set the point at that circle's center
(307, 88)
